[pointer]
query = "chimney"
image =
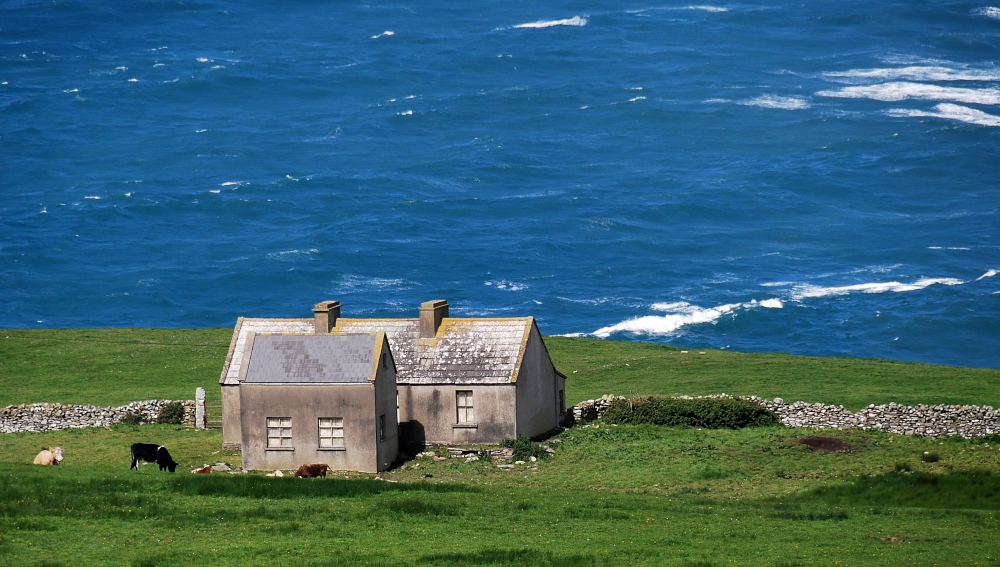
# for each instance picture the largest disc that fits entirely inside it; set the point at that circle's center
(327, 313)
(431, 314)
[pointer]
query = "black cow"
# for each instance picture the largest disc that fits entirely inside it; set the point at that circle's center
(152, 454)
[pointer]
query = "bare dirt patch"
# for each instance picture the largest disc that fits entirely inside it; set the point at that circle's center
(824, 444)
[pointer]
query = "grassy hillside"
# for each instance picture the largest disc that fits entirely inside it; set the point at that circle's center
(116, 366)
(610, 495)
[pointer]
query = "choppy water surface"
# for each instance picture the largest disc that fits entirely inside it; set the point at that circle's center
(817, 178)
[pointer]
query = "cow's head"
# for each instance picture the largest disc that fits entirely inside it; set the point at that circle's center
(171, 466)
(57, 451)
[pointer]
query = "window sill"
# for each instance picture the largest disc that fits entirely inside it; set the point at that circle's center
(279, 448)
(465, 426)
(331, 448)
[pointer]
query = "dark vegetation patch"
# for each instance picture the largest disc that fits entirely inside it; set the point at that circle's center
(829, 444)
(513, 557)
(417, 507)
(524, 448)
(708, 413)
(975, 489)
(798, 513)
(25, 497)
(240, 486)
(172, 413)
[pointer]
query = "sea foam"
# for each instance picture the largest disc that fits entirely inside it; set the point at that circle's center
(988, 274)
(678, 315)
(915, 73)
(777, 102)
(902, 90)
(574, 21)
(806, 291)
(951, 112)
(989, 12)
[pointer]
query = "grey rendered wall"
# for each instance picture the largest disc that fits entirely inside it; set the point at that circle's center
(537, 389)
(431, 411)
(305, 404)
(231, 430)
(385, 404)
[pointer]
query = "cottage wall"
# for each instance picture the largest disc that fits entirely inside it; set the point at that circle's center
(539, 408)
(385, 404)
(231, 430)
(428, 414)
(305, 404)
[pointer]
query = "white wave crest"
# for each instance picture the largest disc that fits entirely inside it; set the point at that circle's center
(93, 197)
(951, 112)
(800, 292)
(704, 8)
(505, 285)
(777, 102)
(989, 12)
(902, 90)
(988, 274)
(915, 73)
(574, 21)
(678, 315)
(386, 33)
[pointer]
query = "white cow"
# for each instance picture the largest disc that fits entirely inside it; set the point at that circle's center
(50, 456)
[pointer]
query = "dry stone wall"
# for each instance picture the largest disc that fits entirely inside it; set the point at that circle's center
(50, 417)
(929, 421)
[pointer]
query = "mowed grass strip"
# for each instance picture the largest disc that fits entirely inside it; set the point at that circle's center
(109, 366)
(116, 366)
(595, 367)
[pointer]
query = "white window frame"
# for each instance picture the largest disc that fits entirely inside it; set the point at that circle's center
(331, 433)
(464, 407)
(279, 433)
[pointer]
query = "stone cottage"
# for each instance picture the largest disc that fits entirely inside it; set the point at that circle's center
(318, 399)
(458, 380)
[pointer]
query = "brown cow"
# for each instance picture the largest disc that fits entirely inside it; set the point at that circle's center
(309, 471)
(50, 457)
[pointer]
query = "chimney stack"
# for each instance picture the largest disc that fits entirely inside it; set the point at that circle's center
(327, 313)
(431, 314)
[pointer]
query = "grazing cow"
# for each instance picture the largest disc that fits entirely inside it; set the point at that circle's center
(50, 457)
(152, 453)
(309, 471)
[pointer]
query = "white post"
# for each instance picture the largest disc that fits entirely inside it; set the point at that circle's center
(199, 408)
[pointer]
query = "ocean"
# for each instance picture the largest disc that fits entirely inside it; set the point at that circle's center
(817, 178)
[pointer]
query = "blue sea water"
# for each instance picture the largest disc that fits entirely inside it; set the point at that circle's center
(818, 178)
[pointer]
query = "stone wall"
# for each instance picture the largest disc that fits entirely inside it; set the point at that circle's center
(50, 417)
(929, 421)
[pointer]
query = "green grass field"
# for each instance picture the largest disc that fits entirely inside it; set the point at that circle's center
(610, 495)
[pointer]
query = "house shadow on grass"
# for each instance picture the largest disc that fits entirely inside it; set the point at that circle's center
(239, 486)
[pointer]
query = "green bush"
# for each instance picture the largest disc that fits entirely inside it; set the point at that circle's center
(708, 413)
(524, 448)
(172, 413)
(133, 418)
(929, 457)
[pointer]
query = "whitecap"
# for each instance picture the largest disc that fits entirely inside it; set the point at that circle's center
(230, 183)
(637, 99)
(988, 274)
(680, 314)
(704, 8)
(215, 191)
(915, 73)
(202, 60)
(92, 197)
(777, 102)
(158, 64)
(574, 21)
(989, 12)
(902, 90)
(201, 131)
(121, 68)
(366, 284)
(800, 292)
(133, 80)
(951, 112)
(386, 33)
(506, 285)
(67, 91)
(405, 113)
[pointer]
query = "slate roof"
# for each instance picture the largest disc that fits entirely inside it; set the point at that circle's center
(311, 359)
(465, 351)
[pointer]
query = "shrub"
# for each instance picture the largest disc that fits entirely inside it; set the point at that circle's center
(929, 457)
(171, 413)
(524, 448)
(133, 418)
(709, 413)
